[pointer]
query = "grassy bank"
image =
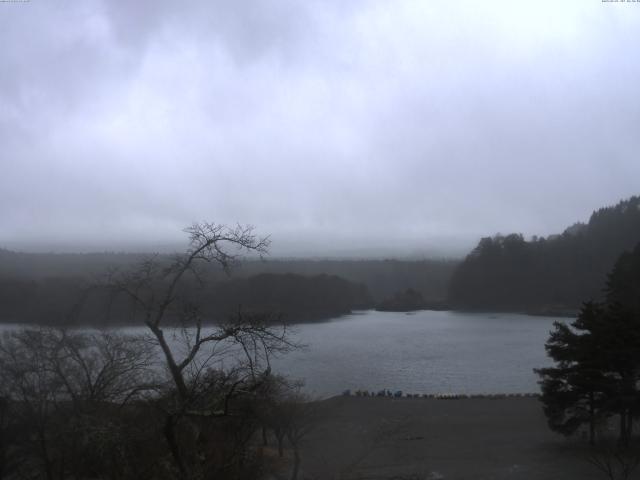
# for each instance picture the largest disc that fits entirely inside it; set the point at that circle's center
(427, 438)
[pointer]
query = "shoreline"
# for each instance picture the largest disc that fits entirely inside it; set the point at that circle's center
(399, 394)
(303, 321)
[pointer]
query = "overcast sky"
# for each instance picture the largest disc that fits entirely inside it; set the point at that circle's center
(340, 128)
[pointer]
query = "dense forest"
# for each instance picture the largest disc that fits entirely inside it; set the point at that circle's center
(553, 274)
(293, 297)
(286, 297)
(408, 301)
(45, 287)
(383, 278)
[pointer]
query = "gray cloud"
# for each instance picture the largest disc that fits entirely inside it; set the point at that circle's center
(390, 127)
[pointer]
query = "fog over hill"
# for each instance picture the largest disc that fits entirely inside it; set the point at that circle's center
(357, 129)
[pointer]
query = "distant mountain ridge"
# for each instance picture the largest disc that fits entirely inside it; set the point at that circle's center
(552, 274)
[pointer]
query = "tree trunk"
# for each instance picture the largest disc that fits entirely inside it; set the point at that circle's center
(280, 445)
(296, 463)
(45, 454)
(175, 371)
(169, 435)
(264, 436)
(3, 457)
(592, 420)
(623, 440)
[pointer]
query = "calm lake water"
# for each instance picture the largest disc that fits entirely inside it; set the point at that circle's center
(420, 352)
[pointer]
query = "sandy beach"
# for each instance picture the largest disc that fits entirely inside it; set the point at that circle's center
(384, 438)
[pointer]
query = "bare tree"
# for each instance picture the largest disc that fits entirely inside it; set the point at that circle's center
(92, 404)
(210, 367)
(154, 288)
(61, 388)
(5, 438)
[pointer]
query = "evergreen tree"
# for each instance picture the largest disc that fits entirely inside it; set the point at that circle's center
(598, 358)
(622, 338)
(575, 391)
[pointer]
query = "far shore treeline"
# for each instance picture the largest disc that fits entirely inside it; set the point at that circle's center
(287, 298)
(551, 275)
(46, 288)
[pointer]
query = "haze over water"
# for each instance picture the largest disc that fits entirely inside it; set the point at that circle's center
(422, 352)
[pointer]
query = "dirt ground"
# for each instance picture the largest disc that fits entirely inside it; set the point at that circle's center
(385, 438)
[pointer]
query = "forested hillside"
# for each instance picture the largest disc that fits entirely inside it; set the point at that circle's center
(295, 297)
(287, 297)
(546, 274)
(383, 278)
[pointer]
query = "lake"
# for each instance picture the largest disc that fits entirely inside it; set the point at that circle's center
(421, 352)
